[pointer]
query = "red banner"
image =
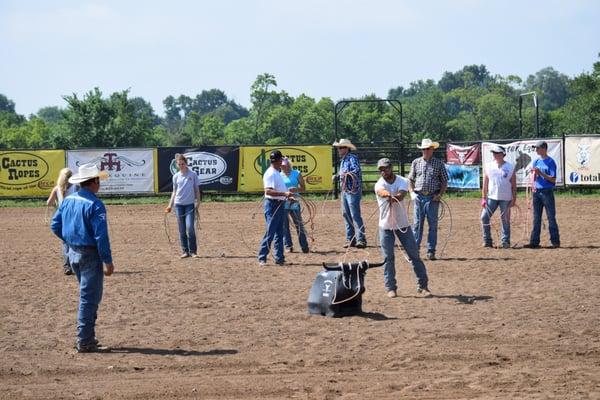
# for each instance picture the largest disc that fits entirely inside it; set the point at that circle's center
(462, 155)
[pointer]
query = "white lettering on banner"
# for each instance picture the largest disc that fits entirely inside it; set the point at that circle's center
(129, 170)
(209, 167)
(522, 154)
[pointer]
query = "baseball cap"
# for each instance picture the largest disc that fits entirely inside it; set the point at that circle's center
(541, 143)
(384, 163)
(498, 149)
(275, 155)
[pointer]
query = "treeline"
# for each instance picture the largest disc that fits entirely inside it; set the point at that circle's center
(466, 105)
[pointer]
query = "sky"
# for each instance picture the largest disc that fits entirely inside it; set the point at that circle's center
(336, 48)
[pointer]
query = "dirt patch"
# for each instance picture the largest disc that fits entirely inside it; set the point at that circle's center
(503, 323)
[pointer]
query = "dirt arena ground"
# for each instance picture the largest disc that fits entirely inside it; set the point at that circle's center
(503, 324)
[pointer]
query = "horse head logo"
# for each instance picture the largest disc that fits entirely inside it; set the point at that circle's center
(583, 154)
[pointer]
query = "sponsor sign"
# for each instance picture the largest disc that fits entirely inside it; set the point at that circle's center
(216, 166)
(463, 176)
(129, 170)
(29, 172)
(313, 162)
(522, 154)
(582, 160)
(462, 155)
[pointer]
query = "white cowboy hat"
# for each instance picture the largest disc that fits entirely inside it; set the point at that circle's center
(87, 171)
(427, 143)
(344, 143)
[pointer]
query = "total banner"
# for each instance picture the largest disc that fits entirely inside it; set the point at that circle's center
(129, 170)
(582, 160)
(463, 176)
(462, 155)
(216, 166)
(315, 163)
(522, 154)
(29, 172)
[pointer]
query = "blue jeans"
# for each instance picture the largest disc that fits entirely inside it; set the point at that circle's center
(274, 217)
(425, 207)
(355, 229)
(387, 239)
(187, 232)
(87, 266)
(287, 238)
(486, 215)
(544, 198)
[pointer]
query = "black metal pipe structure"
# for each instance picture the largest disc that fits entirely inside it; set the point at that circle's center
(339, 107)
(537, 113)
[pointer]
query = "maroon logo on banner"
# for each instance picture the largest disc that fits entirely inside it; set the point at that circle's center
(113, 162)
(462, 155)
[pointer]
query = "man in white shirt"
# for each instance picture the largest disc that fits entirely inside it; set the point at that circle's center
(499, 190)
(391, 191)
(276, 193)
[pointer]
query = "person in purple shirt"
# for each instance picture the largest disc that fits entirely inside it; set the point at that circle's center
(544, 169)
(80, 222)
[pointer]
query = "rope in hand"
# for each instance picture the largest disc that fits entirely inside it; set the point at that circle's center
(167, 227)
(349, 179)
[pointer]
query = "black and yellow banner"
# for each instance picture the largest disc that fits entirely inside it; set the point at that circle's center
(29, 172)
(313, 162)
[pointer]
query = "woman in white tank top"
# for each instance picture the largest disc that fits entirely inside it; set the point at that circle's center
(59, 192)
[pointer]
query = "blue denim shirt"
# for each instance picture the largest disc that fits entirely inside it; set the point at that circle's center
(350, 164)
(81, 221)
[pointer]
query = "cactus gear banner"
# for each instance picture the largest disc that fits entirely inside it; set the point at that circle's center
(29, 172)
(216, 166)
(315, 163)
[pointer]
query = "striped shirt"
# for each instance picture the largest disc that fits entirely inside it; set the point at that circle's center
(428, 176)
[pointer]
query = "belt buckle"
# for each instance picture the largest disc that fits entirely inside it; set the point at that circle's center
(425, 193)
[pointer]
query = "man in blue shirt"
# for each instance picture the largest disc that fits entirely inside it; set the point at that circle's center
(544, 169)
(350, 178)
(80, 222)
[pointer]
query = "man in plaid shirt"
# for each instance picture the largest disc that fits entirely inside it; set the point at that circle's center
(350, 178)
(428, 181)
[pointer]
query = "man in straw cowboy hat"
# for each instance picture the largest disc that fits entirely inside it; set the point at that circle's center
(350, 178)
(80, 222)
(429, 181)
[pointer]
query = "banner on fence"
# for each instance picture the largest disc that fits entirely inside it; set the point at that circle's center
(582, 160)
(314, 162)
(129, 170)
(463, 176)
(462, 155)
(29, 172)
(216, 166)
(522, 154)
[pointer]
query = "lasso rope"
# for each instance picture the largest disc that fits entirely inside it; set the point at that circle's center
(353, 180)
(167, 227)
